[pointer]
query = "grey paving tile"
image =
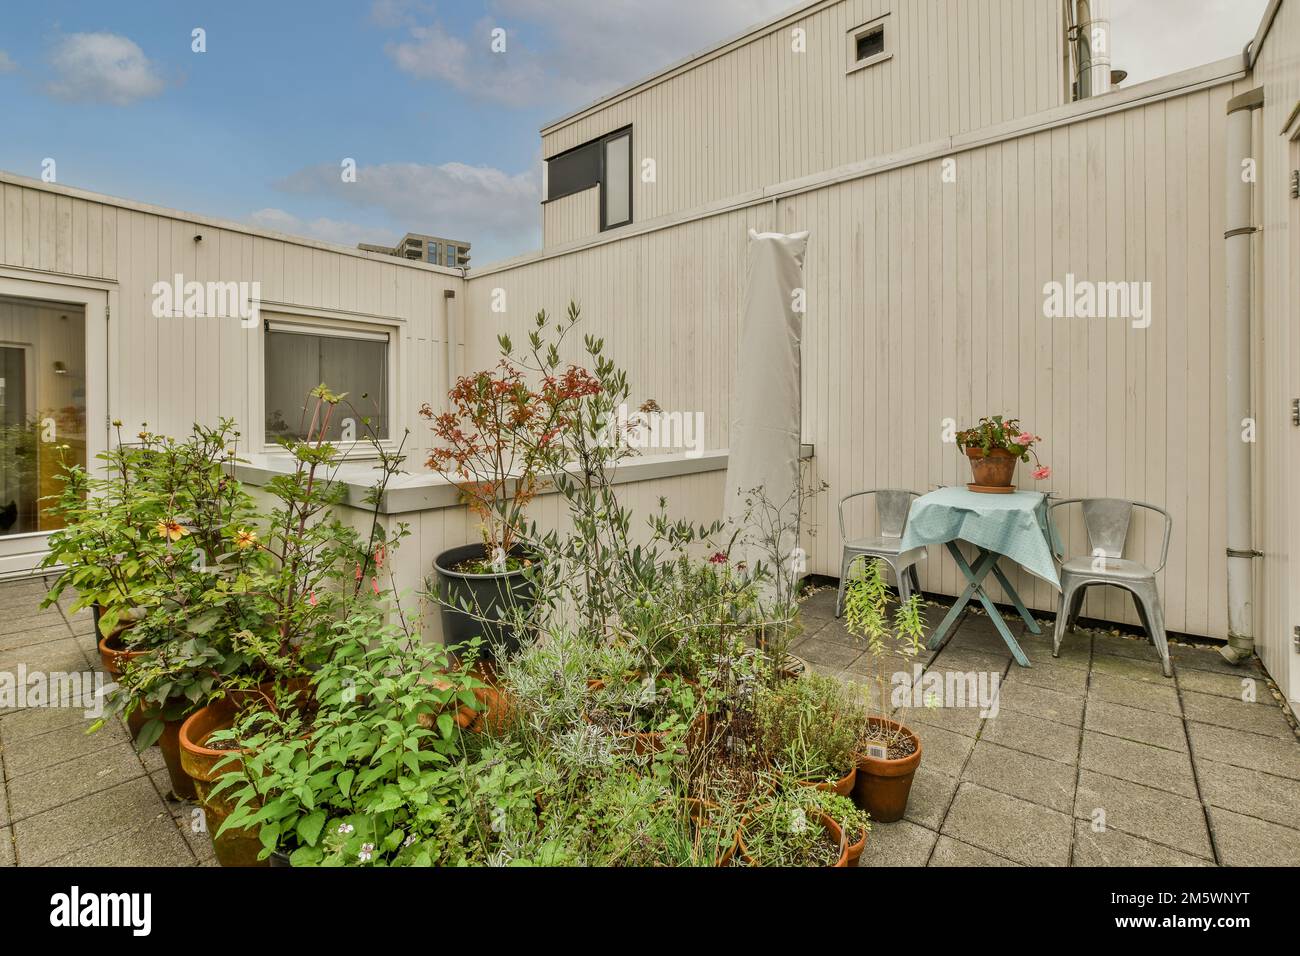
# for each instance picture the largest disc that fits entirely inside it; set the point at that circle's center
(958, 720)
(1130, 668)
(35, 721)
(1016, 829)
(1275, 755)
(63, 655)
(83, 823)
(898, 844)
(1038, 701)
(1036, 779)
(1033, 735)
(34, 637)
(971, 661)
(1144, 695)
(1249, 792)
(6, 847)
(1115, 848)
(1209, 659)
(1049, 674)
(950, 852)
(1138, 763)
(1143, 726)
(1224, 685)
(1262, 718)
(931, 795)
(1075, 651)
(1247, 841)
(817, 650)
(1155, 815)
(944, 751)
(57, 746)
(33, 793)
(834, 631)
(1124, 645)
(155, 843)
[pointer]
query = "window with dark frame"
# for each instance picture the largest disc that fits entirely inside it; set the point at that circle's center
(870, 43)
(604, 162)
(297, 359)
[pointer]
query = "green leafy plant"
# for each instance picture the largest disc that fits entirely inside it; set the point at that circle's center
(1004, 434)
(809, 727)
(785, 831)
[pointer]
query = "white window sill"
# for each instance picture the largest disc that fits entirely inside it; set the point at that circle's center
(869, 62)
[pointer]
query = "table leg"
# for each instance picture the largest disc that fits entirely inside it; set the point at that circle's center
(1016, 651)
(975, 577)
(1015, 599)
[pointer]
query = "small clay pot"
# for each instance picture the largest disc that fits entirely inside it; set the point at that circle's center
(883, 786)
(993, 471)
(842, 786)
(833, 833)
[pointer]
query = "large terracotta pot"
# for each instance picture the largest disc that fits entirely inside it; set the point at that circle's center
(883, 786)
(234, 847)
(833, 833)
(992, 472)
(842, 786)
(114, 656)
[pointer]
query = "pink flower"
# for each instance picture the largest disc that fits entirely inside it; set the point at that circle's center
(1025, 438)
(1041, 472)
(718, 558)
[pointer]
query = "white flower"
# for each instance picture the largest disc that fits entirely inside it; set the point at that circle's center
(344, 829)
(367, 850)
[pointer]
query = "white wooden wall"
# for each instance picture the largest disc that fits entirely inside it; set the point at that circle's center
(925, 303)
(756, 112)
(172, 372)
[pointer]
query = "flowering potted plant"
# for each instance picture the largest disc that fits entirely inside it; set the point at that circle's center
(993, 447)
(493, 443)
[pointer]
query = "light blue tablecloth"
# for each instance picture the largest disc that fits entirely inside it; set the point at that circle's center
(1014, 525)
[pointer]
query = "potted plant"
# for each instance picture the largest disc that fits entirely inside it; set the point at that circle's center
(888, 751)
(787, 831)
(993, 447)
(810, 731)
(491, 445)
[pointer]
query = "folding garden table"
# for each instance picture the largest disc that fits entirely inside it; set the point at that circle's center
(1015, 526)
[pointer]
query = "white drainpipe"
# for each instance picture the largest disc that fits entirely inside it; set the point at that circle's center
(1091, 23)
(1237, 280)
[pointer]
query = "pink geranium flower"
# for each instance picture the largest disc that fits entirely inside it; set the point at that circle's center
(1041, 472)
(1026, 439)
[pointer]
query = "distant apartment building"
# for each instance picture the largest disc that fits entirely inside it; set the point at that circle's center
(433, 249)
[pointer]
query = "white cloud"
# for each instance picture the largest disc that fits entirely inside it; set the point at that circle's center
(102, 68)
(323, 228)
(7, 65)
(560, 53)
(1152, 38)
(453, 199)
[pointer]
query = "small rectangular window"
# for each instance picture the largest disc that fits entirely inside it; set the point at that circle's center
(300, 358)
(871, 43)
(574, 171)
(616, 191)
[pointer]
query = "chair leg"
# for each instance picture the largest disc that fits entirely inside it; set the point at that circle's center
(1068, 592)
(904, 583)
(1076, 607)
(845, 561)
(1149, 599)
(916, 578)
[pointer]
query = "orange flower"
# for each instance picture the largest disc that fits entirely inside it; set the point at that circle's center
(171, 530)
(245, 539)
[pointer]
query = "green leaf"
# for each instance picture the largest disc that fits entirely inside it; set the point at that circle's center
(310, 826)
(445, 725)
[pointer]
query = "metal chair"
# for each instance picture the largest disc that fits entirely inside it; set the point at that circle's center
(1107, 523)
(892, 506)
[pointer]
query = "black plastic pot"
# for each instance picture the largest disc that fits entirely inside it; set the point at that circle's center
(279, 859)
(492, 600)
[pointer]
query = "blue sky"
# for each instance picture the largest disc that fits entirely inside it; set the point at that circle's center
(444, 131)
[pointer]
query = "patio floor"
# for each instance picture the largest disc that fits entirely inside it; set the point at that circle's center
(1093, 759)
(1183, 770)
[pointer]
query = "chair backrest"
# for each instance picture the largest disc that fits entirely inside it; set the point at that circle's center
(1107, 522)
(892, 506)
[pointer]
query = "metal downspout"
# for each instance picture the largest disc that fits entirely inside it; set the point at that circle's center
(1240, 178)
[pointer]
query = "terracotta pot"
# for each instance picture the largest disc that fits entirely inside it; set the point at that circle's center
(883, 786)
(992, 471)
(114, 657)
(833, 833)
(234, 847)
(854, 850)
(842, 786)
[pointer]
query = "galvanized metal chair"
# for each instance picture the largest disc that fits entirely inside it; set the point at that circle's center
(892, 506)
(1107, 523)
